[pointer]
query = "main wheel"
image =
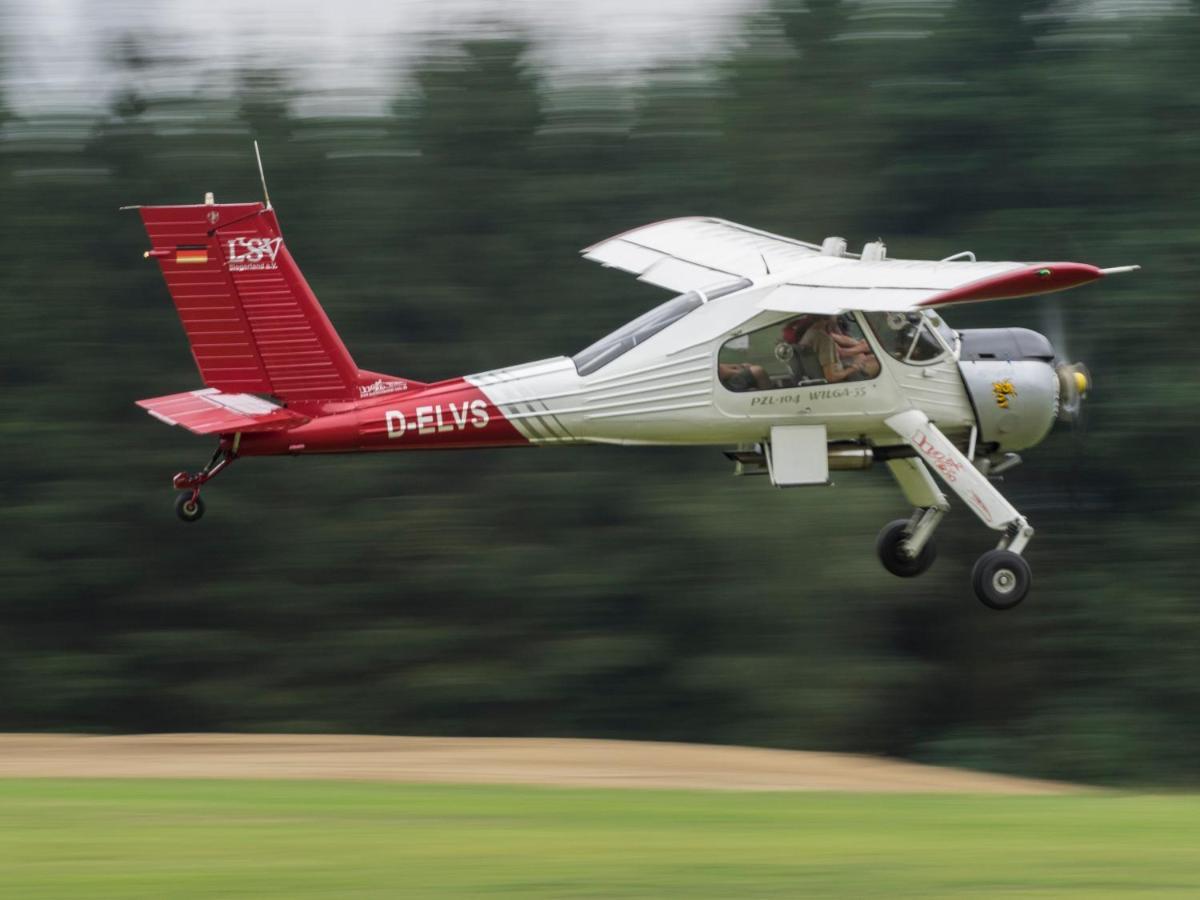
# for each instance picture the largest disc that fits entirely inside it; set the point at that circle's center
(1001, 579)
(189, 507)
(887, 545)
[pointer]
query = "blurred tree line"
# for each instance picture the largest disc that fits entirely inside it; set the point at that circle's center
(598, 591)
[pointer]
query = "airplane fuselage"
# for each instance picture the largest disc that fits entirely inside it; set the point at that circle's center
(675, 399)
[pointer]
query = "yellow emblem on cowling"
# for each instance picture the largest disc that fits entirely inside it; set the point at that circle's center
(1002, 390)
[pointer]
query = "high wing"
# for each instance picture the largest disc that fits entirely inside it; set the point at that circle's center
(701, 253)
(694, 253)
(834, 285)
(210, 411)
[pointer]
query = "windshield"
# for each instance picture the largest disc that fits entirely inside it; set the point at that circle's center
(949, 336)
(646, 326)
(906, 336)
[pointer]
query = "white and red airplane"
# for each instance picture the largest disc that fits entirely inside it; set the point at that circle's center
(801, 357)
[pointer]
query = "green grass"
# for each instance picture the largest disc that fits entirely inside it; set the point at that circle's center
(180, 839)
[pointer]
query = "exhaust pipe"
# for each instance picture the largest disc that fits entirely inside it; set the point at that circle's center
(850, 457)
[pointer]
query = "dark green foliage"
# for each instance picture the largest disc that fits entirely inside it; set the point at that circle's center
(605, 592)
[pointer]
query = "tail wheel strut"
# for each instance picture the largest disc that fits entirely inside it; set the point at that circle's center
(188, 505)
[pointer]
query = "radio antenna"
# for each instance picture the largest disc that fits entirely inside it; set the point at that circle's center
(261, 176)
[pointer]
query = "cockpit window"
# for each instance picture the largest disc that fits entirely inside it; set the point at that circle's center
(799, 351)
(906, 336)
(646, 326)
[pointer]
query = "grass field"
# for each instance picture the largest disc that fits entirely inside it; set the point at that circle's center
(183, 839)
(178, 839)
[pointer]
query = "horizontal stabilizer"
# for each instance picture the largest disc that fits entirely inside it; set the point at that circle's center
(210, 411)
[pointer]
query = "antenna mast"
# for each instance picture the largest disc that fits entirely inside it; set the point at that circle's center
(261, 176)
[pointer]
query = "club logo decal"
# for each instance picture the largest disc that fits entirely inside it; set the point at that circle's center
(1002, 390)
(253, 254)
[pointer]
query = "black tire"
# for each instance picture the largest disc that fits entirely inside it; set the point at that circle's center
(887, 545)
(1001, 579)
(189, 508)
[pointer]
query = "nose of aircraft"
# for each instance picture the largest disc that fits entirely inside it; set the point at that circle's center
(1074, 384)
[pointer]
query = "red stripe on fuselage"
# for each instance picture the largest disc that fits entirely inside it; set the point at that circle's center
(449, 414)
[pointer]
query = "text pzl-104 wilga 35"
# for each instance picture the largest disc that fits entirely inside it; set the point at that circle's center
(803, 357)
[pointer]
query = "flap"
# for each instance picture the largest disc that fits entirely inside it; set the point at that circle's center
(209, 411)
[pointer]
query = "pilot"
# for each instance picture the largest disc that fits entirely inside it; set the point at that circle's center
(743, 377)
(847, 346)
(842, 357)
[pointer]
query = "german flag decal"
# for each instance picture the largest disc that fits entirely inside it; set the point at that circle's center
(191, 255)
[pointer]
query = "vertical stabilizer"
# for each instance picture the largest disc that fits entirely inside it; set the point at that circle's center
(253, 323)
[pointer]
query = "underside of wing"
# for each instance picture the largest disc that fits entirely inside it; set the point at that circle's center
(698, 253)
(210, 411)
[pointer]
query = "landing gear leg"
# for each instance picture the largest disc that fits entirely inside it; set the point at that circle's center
(905, 546)
(188, 505)
(1001, 577)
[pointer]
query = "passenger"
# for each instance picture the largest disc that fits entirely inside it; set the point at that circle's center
(842, 358)
(794, 330)
(743, 377)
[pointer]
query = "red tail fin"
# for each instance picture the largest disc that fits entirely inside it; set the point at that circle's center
(253, 323)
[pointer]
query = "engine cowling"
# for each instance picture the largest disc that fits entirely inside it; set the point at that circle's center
(1010, 375)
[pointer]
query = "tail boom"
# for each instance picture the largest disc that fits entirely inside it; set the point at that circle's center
(453, 414)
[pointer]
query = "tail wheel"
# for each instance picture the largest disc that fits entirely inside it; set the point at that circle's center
(887, 545)
(189, 506)
(1001, 579)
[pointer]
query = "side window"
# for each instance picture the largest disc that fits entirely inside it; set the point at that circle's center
(645, 326)
(798, 351)
(908, 337)
(630, 335)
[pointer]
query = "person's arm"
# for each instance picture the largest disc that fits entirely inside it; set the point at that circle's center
(848, 346)
(833, 375)
(831, 367)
